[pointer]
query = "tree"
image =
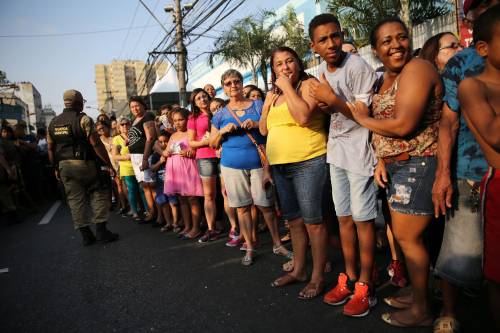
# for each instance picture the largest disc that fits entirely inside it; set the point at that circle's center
(248, 43)
(294, 34)
(360, 16)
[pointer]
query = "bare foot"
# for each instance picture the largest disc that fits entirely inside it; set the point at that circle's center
(312, 290)
(288, 266)
(406, 318)
(286, 279)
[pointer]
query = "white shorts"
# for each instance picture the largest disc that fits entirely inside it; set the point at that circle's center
(141, 176)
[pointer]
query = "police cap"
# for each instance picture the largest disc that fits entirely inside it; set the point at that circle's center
(71, 96)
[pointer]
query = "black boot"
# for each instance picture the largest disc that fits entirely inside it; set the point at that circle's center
(87, 235)
(104, 235)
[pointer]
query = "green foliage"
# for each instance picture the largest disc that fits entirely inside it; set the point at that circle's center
(294, 33)
(359, 16)
(248, 43)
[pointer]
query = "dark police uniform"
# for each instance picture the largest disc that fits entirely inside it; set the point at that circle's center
(80, 170)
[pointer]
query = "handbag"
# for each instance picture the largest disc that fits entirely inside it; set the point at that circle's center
(261, 150)
(269, 186)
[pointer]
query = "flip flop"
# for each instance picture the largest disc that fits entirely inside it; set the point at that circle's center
(446, 325)
(317, 288)
(282, 251)
(389, 319)
(285, 280)
(395, 303)
(186, 236)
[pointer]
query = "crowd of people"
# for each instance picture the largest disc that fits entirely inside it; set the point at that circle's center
(419, 136)
(25, 173)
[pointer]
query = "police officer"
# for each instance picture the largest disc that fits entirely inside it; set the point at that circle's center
(82, 164)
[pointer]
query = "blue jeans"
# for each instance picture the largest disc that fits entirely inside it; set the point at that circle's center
(300, 188)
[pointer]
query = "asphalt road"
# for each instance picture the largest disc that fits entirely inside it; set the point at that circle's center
(154, 282)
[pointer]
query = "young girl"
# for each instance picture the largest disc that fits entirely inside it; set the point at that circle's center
(182, 177)
(168, 213)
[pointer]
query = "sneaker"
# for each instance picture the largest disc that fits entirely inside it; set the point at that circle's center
(397, 272)
(360, 303)
(233, 235)
(340, 294)
(209, 235)
(234, 242)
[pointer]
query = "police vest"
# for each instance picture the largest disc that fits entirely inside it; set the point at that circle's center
(69, 137)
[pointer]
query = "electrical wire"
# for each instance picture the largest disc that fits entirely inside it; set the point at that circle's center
(142, 32)
(64, 34)
(128, 31)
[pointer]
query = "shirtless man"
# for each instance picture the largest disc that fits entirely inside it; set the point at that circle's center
(480, 100)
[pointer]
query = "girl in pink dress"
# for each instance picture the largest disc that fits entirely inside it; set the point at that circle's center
(182, 177)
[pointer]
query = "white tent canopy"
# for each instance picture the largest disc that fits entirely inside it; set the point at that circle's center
(168, 83)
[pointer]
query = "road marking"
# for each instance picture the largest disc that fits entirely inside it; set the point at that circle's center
(48, 216)
(4, 270)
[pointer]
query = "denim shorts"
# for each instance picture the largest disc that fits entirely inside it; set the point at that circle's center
(300, 188)
(460, 259)
(410, 185)
(353, 194)
(208, 167)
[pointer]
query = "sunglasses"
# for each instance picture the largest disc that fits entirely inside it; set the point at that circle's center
(453, 45)
(234, 82)
(124, 124)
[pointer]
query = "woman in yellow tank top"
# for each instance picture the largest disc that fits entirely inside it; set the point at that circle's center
(296, 149)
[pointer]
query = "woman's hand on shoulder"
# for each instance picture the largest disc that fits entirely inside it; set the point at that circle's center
(320, 90)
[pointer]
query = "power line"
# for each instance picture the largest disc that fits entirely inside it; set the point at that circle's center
(154, 16)
(195, 25)
(128, 31)
(143, 30)
(63, 34)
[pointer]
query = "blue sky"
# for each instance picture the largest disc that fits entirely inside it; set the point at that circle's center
(54, 64)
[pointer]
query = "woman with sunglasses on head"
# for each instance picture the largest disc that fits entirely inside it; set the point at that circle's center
(440, 48)
(235, 127)
(198, 130)
(121, 154)
(296, 148)
(405, 126)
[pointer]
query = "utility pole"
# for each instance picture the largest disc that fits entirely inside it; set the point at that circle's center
(109, 99)
(181, 48)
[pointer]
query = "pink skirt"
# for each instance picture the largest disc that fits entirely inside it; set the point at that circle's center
(182, 177)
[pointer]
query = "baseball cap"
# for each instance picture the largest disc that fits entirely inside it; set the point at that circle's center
(73, 96)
